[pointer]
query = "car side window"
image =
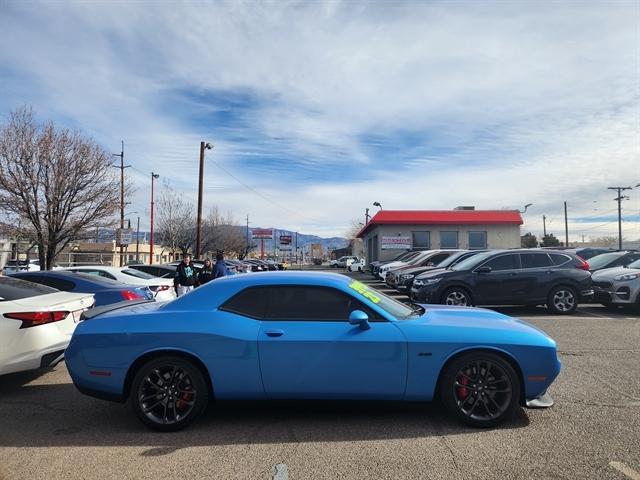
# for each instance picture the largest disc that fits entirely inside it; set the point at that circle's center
(250, 302)
(312, 303)
(437, 258)
(559, 259)
(535, 260)
(503, 262)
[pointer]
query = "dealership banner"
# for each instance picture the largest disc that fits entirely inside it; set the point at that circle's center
(262, 233)
(396, 243)
(285, 239)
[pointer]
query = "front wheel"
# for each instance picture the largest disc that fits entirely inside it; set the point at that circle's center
(480, 389)
(168, 393)
(456, 296)
(562, 300)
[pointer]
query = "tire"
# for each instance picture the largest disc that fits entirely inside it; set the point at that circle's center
(456, 296)
(480, 389)
(157, 404)
(562, 300)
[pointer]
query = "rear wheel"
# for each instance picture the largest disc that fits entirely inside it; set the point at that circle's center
(481, 389)
(168, 393)
(562, 300)
(456, 296)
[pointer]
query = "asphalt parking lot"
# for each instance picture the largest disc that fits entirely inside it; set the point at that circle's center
(49, 430)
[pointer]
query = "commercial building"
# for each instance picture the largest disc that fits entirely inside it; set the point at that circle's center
(391, 231)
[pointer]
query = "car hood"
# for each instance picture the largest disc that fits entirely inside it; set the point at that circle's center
(433, 272)
(418, 270)
(611, 273)
(454, 324)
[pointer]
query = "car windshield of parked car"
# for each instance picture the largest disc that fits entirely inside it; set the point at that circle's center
(603, 260)
(635, 264)
(15, 289)
(138, 274)
(471, 262)
(393, 307)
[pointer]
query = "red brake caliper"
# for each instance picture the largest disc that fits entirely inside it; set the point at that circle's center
(462, 392)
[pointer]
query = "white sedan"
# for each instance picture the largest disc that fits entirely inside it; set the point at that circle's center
(357, 266)
(36, 323)
(161, 287)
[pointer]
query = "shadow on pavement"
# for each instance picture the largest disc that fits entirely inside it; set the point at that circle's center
(55, 415)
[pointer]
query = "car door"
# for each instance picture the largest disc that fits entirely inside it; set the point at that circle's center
(503, 284)
(308, 348)
(538, 274)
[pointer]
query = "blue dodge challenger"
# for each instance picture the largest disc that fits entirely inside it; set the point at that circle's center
(295, 335)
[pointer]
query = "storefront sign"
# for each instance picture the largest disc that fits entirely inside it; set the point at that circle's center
(396, 243)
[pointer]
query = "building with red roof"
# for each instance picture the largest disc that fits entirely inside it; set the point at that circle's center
(391, 231)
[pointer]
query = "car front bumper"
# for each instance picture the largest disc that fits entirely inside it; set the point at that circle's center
(616, 294)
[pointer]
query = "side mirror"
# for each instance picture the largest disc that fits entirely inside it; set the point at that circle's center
(358, 317)
(484, 270)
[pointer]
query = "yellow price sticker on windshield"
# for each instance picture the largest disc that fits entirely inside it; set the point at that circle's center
(365, 291)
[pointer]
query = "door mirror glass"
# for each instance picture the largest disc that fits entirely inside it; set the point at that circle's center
(484, 269)
(358, 317)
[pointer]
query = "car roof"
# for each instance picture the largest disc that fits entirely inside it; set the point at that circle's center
(63, 274)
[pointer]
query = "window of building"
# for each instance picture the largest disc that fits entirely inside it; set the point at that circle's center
(477, 240)
(421, 239)
(448, 239)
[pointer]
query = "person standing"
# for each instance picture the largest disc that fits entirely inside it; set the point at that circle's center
(220, 269)
(185, 278)
(206, 274)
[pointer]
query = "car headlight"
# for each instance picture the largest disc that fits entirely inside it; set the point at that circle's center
(625, 277)
(431, 281)
(418, 283)
(406, 276)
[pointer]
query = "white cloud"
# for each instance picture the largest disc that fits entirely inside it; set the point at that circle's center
(535, 105)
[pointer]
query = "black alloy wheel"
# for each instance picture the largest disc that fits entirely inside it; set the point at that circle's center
(562, 300)
(168, 393)
(481, 389)
(456, 296)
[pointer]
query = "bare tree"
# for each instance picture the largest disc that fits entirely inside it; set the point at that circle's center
(175, 220)
(223, 234)
(54, 183)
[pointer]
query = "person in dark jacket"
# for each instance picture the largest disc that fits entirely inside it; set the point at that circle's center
(220, 269)
(206, 274)
(185, 278)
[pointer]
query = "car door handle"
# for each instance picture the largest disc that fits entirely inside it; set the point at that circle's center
(274, 333)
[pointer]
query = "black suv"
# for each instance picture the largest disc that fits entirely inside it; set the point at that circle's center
(510, 277)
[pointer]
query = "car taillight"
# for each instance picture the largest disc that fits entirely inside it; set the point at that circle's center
(159, 288)
(583, 265)
(130, 295)
(31, 319)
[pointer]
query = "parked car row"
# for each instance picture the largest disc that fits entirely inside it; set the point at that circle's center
(559, 279)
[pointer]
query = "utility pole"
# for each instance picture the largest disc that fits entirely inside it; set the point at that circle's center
(619, 199)
(153, 177)
(566, 226)
(366, 216)
(247, 248)
(121, 167)
(203, 146)
(138, 241)
(544, 226)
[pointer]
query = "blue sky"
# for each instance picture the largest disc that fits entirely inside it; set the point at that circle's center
(318, 109)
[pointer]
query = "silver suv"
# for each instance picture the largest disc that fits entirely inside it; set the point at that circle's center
(618, 285)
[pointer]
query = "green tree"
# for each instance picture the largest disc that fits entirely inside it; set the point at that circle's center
(528, 240)
(550, 241)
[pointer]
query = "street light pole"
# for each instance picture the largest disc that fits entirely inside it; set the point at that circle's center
(203, 146)
(153, 177)
(121, 167)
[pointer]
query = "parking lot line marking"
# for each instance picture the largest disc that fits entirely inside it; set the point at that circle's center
(625, 470)
(595, 314)
(280, 472)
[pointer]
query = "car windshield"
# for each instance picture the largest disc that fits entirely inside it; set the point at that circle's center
(138, 274)
(471, 262)
(635, 264)
(396, 309)
(600, 261)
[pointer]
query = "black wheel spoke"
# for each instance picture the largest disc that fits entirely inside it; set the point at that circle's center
(149, 397)
(149, 408)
